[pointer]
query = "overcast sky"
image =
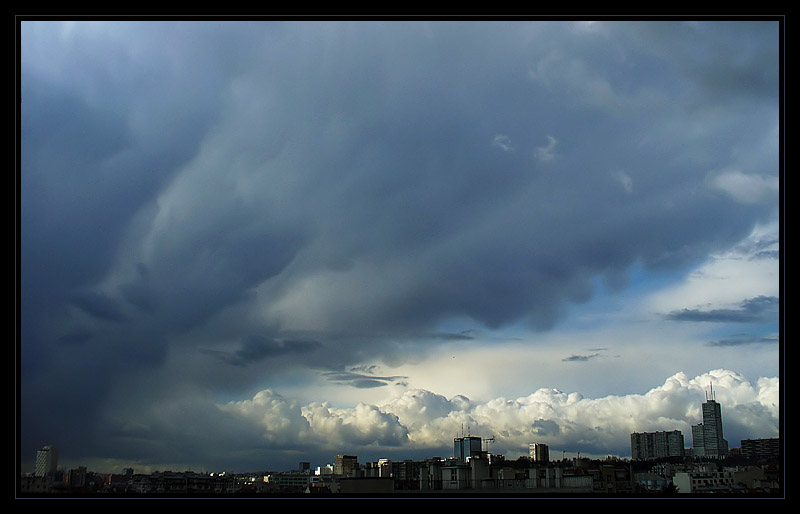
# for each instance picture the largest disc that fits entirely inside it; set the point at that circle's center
(250, 244)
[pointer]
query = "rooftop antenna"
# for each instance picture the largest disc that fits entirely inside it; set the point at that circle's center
(711, 387)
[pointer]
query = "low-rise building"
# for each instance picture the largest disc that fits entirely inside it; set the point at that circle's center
(761, 448)
(33, 484)
(288, 482)
(704, 481)
(611, 478)
(650, 481)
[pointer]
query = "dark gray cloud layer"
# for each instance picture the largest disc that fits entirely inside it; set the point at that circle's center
(256, 348)
(580, 358)
(744, 339)
(360, 380)
(758, 309)
(212, 190)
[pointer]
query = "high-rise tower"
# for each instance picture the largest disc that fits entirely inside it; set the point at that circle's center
(707, 437)
(539, 452)
(464, 448)
(46, 461)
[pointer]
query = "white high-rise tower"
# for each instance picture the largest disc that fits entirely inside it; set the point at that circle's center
(46, 461)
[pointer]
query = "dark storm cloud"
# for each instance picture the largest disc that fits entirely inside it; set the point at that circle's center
(751, 75)
(102, 132)
(760, 308)
(183, 185)
(98, 305)
(77, 337)
(257, 348)
(360, 380)
(466, 335)
(410, 185)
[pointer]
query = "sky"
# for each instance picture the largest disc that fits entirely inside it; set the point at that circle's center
(247, 244)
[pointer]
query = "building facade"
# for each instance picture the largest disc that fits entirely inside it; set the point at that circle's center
(761, 448)
(704, 481)
(46, 461)
(656, 445)
(707, 437)
(345, 465)
(289, 482)
(539, 452)
(698, 443)
(464, 448)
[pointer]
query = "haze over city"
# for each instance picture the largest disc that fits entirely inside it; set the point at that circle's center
(245, 244)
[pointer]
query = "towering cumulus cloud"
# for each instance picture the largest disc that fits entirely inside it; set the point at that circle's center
(420, 420)
(320, 211)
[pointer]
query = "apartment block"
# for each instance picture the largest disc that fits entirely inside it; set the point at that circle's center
(656, 445)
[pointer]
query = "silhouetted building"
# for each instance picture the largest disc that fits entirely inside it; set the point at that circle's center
(372, 485)
(77, 477)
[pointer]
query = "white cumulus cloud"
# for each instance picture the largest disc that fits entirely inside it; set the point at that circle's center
(362, 425)
(420, 419)
(280, 419)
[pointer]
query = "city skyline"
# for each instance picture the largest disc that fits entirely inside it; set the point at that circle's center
(644, 446)
(245, 244)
